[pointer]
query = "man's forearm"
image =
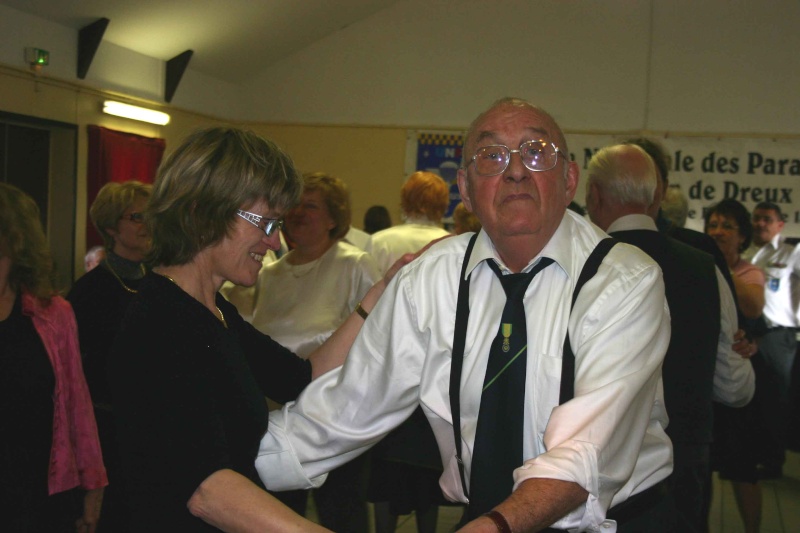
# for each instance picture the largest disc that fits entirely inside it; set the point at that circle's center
(535, 505)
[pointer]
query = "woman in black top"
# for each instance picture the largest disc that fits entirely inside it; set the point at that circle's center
(188, 375)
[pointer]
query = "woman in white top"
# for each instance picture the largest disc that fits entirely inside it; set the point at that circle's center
(304, 296)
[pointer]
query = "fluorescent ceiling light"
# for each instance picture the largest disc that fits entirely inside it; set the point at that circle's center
(136, 113)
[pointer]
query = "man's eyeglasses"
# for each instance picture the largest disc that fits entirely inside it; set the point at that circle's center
(134, 217)
(271, 225)
(537, 156)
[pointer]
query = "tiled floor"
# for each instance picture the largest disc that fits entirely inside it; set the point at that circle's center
(781, 507)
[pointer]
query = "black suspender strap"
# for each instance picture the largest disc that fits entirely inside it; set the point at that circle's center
(457, 363)
(567, 356)
(459, 339)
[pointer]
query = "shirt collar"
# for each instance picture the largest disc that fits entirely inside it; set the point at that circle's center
(776, 241)
(632, 222)
(558, 248)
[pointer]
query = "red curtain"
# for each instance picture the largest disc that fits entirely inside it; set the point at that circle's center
(118, 156)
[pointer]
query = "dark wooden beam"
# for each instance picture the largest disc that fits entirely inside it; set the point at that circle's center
(175, 69)
(89, 39)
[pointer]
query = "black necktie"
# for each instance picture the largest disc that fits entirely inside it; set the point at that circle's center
(498, 437)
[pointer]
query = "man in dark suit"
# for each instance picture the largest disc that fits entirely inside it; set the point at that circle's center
(695, 239)
(700, 366)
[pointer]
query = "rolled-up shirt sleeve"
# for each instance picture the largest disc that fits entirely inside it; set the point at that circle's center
(609, 438)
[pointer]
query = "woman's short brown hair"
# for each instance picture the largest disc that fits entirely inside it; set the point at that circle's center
(110, 204)
(337, 200)
(205, 180)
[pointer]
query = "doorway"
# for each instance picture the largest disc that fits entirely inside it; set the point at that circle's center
(39, 157)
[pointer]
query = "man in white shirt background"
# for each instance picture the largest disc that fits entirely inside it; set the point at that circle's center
(780, 262)
(424, 198)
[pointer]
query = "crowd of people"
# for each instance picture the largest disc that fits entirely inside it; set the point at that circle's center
(237, 346)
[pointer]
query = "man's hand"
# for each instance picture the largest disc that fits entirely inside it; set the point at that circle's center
(744, 346)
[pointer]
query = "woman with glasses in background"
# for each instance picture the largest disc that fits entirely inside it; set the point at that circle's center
(734, 451)
(100, 298)
(189, 375)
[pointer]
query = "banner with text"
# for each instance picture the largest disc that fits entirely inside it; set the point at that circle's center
(709, 169)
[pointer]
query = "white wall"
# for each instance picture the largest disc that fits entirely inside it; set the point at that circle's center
(677, 65)
(726, 66)
(439, 63)
(716, 66)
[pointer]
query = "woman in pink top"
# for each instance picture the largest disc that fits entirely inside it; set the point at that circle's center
(49, 438)
(728, 222)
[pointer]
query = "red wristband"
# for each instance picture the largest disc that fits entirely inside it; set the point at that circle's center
(499, 521)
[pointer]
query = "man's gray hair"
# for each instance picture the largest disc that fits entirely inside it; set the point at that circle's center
(625, 183)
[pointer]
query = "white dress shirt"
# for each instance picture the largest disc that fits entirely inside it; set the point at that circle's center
(609, 439)
(301, 305)
(734, 379)
(780, 262)
(388, 245)
(358, 238)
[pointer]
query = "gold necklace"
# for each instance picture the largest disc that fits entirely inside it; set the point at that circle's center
(221, 317)
(111, 269)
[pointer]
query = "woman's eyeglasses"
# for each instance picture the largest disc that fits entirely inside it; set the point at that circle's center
(270, 224)
(134, 217)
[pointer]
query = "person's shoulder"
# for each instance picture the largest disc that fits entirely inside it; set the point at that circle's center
(60, 307)
(688, 252)
(444, 252)
(437, 231)
(92, 281)
(576, 239)
(56, 310)
(351, 254)
(383, 235)
(273, 267)
(693, 238)
(356, 237)
(788, 248)
(348, 250)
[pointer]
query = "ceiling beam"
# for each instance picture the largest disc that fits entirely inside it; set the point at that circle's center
(89, 38)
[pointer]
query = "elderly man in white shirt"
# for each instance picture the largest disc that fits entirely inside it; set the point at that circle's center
(593, 451)
(700, 366)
